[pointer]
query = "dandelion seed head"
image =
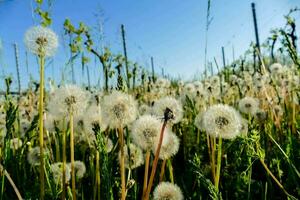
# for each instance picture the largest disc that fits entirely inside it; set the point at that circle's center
(170, 103)
(80, 168)
(167, 191)
(119, 109)
(33, 155)
(169, 147)
(133, 156)
(57, 172)
(41, 41)
(275, 68)
(222, 121)
(145, 131)
(249, 105)
(68, 99)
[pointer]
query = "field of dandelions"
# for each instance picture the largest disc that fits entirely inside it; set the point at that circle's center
(233, 134)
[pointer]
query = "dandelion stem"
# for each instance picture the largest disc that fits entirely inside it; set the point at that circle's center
(213, 165)
(219, 160)
(41, 127)
(154, 165)
(170, 171)
(162, 171)
(122, 164)
(147, 160)
(98, 173)
(64, 163)
(72, 156)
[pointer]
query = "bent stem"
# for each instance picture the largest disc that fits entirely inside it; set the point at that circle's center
(41, 127)
(275, 179)
(72, 156)
(6, 174)
(122, 163)
(147, 160)
(154, 165)
(219, 160)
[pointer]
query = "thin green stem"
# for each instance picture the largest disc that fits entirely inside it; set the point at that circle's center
(219, 160)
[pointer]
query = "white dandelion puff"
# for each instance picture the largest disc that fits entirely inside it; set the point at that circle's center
(68, 99)
(41, 41)
(248, 105)
(145, 131)
(167, 190)
(119, 109)
(170, 103)
(57, 172)
(169, 147)
(80, 168)
(33, 155)
(133, 156)
(222, 121)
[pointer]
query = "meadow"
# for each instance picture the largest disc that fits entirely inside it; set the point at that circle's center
(232, 133)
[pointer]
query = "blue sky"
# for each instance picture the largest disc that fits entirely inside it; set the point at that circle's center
(172, 31)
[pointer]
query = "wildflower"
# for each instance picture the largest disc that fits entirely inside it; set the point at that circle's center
(145, 130)
(189, 91)
(15, 143)
(80, 168)
(57, 172)
(169, 103)
(166, 190)
(222, 121)
(68, 99)
(248, 105)
(133, 156)
(275, 68)
(41, 41)
(119, 109)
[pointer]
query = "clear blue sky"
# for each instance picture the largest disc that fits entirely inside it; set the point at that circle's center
(172, 31)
